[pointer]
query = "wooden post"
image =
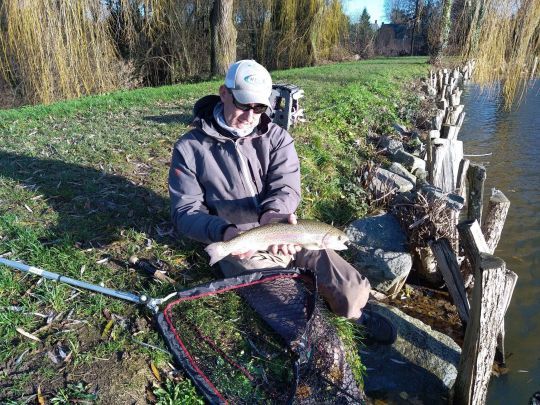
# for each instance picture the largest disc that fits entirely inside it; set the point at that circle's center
(510, 281)
(439, 150)
(476, 177)
(449, 267)
(473, 241)
(461, 118)
(495, 218)
(437, 120)
(449, 131)
(462, 176)
(474, 244)
(486, 316)
(446, 156)
(429, 155)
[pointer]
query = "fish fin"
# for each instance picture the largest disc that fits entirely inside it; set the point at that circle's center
(216, 251)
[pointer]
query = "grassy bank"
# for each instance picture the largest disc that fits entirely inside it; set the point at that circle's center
(83, 186)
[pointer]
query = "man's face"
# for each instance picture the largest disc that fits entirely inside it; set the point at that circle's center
(235, 117)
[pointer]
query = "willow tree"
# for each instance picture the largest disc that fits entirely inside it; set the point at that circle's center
(56, 49)
(223, 50)
(504, 39)
(168, 40)
(301, 32)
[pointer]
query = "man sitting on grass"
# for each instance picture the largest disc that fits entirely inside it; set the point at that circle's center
(236, 170)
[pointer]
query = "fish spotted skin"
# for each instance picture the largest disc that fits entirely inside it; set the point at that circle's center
(309, 234)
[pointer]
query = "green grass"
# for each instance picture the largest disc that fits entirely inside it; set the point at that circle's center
(86, 180)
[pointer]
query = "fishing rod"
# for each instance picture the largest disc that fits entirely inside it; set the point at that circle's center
(151, 303)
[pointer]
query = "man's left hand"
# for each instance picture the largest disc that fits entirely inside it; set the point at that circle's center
(271, 217)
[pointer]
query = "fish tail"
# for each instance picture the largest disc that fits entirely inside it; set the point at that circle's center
(216, 251)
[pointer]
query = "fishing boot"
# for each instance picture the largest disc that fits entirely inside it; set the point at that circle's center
(377, 328)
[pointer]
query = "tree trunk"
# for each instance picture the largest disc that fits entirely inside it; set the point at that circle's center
(223, 48)
(415, 23)
(444, 33)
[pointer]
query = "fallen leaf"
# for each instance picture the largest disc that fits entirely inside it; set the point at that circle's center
(155, 371)
(40, 398)
(107, 329)
(28, 335)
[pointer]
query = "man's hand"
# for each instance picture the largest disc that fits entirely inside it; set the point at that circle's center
(271, 217)
(232, 232)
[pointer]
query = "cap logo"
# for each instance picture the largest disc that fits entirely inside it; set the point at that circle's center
(253, 79)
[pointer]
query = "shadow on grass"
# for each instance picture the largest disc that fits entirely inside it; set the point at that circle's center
(91, 206)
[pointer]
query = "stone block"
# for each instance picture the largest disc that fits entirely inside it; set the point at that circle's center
(381, 252)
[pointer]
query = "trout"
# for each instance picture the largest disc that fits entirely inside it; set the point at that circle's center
(309, 234)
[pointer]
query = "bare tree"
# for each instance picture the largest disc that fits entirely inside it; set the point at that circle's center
(417, 11)
(399, 11)
(223, 48)
(444, 32)
(362, 35)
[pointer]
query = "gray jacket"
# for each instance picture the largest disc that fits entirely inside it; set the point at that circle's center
(216, 179)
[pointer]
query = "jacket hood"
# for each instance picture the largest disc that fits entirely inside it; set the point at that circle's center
(203, 118)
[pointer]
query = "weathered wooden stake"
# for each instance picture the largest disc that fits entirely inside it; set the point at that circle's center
(509, 285)
(449, 131)
(486, 316)
(474, 243)
(462, 176)
(495, 218)
(476, 177)
(446, 156)
(449, 267)
(429, 155)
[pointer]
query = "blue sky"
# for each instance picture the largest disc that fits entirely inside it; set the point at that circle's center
(375, 8)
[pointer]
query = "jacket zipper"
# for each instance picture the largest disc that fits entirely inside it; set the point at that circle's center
(244, 170)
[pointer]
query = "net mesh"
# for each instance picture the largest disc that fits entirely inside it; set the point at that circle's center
(279, 348)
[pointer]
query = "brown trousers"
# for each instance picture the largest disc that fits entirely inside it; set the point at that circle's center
(341, 285)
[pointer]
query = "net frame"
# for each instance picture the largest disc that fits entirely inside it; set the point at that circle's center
(180, 352)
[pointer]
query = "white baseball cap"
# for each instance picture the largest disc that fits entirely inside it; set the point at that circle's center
(249, 82)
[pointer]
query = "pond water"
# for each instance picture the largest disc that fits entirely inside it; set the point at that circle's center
(512, 138)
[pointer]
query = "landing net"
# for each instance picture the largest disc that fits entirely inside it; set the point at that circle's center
(276, 349)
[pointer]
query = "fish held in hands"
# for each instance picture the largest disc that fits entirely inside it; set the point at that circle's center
(309, 234)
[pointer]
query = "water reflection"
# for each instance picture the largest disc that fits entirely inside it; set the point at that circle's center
(512, 138)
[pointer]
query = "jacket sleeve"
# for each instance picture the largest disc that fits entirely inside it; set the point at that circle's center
(189, 213)
(282, 188)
